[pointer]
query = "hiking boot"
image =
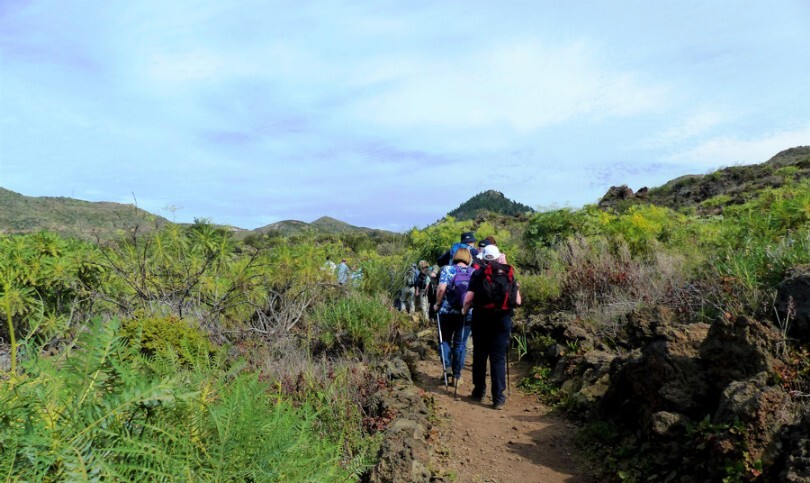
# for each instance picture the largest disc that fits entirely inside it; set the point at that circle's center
(477, 397)
(498, 406)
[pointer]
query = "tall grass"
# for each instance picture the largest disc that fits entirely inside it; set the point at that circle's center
(357, 324)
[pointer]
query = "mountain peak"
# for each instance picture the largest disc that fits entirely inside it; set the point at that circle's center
(491, 200)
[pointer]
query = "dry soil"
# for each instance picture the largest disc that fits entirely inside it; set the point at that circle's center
(523, 442)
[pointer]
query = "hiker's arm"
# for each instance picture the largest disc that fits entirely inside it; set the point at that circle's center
(468, 299)
(440, 295)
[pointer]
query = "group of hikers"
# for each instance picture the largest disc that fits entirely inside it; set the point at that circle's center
(470, 291)
(343, 272)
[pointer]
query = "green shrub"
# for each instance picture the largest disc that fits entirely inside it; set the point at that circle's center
(356, 323)
(719, 200)
(761, 239)
(539, 383)
(103, 412)
(166, 336)
(538, 290)
(548, 228)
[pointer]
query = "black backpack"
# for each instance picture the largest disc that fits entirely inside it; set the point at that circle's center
(500, 290)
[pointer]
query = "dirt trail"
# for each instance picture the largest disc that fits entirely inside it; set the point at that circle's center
(521, 443)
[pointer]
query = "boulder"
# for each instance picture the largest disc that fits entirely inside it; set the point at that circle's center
(736, 350)
(642, 325)
(614, 195)
(552, 325)
(592, 392)
(793, 302)
(664, 424)
(666, 376)
(576, 333)
(402, 454)
(764, 410)
(796, 443)
(395, 370)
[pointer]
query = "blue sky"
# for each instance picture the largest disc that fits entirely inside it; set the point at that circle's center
(389, 114)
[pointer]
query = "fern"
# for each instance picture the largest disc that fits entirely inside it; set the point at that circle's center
(104, 412)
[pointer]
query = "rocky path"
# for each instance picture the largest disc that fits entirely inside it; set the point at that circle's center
(521, 443)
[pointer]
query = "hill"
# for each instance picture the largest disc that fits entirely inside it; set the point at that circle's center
(709, 193)
(489, 201)
(70, 217)
(282, 228)
(324, 224)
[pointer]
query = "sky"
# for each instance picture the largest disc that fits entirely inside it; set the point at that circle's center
(389, 114)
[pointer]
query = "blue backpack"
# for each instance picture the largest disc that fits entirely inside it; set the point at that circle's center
(457, 287)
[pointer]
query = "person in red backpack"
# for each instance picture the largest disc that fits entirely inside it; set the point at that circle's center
(493, 293)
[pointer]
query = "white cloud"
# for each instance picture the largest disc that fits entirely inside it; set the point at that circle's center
(696, 124)
(522, 86)
(727, 151)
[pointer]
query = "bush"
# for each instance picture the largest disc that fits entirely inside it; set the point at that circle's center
(602, 286)
(538, 291)
(102, 412)
(167, 336)
(356, 323)
(549, 228)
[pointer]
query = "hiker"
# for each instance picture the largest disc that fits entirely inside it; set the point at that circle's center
(422, 288)
(490, 240)
(356, 276)
(329, 265)
(493, 294)
(450, 295)
(408, 292)
(467, 241)
(343, 272)
(432, 288)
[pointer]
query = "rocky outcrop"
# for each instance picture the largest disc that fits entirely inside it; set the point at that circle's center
(403, 454)
(737, 350)
(666, 376)
(795, 466)
(405, 451)
(762, 410)
(615, 195)
(689, 401)
(793, 302)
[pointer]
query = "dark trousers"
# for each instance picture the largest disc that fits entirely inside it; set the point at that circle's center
(490, 332)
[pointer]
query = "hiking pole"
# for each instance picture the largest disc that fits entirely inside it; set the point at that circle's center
(441, 349)
(508, 379)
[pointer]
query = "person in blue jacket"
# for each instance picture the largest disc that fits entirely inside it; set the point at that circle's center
(467, 241)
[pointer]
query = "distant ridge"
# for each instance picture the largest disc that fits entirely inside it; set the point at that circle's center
(324, 224)
(709, 193)
(489, 201)
(90, 220)
(71, 217)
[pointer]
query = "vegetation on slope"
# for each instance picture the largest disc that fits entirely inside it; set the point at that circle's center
(186, 353)
(70, 217)
(488, 201)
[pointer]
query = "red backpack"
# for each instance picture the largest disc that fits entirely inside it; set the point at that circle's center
(500, 290)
